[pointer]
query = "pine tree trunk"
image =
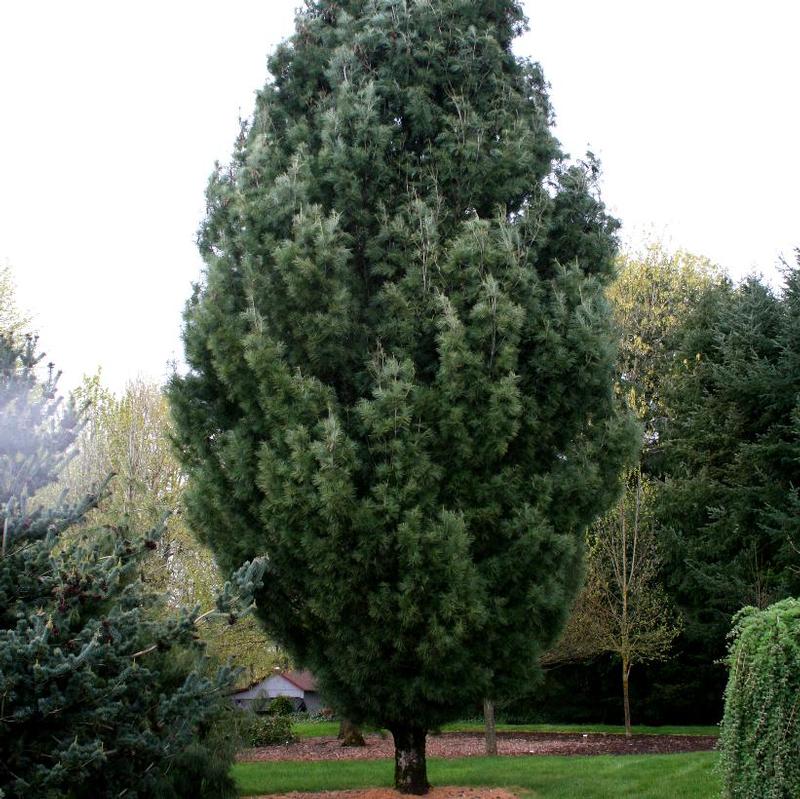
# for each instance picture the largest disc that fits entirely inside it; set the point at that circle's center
(350, 734)
(410, 767)
(491, 730)
(625, 700)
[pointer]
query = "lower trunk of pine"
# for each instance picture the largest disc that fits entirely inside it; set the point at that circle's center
(350, 734)
(491, 729)
(625, 699)
(410, 767)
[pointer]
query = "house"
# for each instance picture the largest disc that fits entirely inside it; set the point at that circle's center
(299, 686)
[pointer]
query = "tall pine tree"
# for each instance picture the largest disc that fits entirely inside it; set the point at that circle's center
(400, 361)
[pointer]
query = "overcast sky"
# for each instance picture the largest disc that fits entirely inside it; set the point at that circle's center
(113, 113)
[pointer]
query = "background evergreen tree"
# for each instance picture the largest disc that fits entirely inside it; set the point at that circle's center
(400, 361)
(711, 370)
(99, 694)
(733, 463)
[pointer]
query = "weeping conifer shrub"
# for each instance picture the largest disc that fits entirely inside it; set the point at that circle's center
(400, 361)
(760, 736)
(102, 692)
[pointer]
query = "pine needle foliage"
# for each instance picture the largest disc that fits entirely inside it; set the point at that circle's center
(400, 358)
(760, 736)
(99, 694)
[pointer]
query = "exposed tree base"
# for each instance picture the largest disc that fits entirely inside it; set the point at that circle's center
(626, 671)
(491, 728)
(350, 734)
(410, 766)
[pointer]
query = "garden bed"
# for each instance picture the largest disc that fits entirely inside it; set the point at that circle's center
(450, 745)
(447, 792)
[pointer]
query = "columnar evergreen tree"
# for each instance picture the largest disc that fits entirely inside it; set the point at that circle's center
(400, 361)
(99, 695)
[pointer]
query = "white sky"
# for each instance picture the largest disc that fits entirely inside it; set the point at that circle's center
(112, 114)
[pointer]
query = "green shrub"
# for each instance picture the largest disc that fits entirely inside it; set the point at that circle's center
(202, 770)
(760, 736)
(266, 729)
(281, 706)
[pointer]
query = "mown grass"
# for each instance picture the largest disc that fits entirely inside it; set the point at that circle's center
(310, 729)
(684, 776)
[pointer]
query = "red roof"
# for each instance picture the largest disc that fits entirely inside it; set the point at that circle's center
(304, 680)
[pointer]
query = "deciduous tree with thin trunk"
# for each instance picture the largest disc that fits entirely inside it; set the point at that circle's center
(622, 609)
(400, 361)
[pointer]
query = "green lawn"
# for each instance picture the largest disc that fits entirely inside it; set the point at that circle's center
(685, 776)
(309, 729)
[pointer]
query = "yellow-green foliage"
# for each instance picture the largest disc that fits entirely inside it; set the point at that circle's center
(760, 738)
(129, 436)
(655, 291)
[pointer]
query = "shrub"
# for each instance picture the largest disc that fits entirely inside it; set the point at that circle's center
(281, 706)
(202, 770)
(264, 730)
(760, 738)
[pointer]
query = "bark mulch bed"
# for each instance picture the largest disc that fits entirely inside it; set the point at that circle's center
(446, 792)
(465, 744)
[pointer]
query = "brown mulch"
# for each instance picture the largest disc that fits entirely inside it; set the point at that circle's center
(465, 744)
(446, 792)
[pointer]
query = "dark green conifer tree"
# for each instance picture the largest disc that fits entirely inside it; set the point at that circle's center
(400, 361)
(99, 695)
(732, 463)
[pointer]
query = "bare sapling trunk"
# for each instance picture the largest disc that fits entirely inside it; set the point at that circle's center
(410, 767)
(491, 729)
(627, 577)
(626, 671)
(350, 734)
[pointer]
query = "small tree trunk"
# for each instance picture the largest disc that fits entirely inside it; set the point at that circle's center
(5, 537)
(410, 768)
(491, 730)
(626, 670)
(350, 734)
